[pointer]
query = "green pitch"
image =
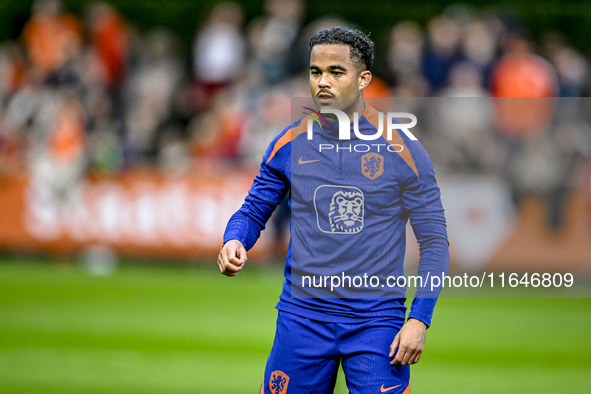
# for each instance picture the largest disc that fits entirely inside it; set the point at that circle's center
(149, 329)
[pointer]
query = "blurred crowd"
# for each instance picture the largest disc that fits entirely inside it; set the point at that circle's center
(89, 93)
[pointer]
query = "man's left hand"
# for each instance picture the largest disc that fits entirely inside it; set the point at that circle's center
(409, 341)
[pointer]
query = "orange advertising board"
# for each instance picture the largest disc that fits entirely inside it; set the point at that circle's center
(141, 213)
(148, 213)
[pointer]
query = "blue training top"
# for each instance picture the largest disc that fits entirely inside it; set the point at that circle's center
(350, 201)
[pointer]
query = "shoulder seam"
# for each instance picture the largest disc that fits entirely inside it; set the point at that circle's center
(281, 142)
(372, 116)
(289, 135)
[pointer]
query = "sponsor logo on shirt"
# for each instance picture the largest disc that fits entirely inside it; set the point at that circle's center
(339, 209)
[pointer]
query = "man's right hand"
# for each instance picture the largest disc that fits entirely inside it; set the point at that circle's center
(232, 257)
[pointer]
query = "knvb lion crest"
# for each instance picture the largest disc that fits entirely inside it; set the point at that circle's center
(372, 165)
(278, 382)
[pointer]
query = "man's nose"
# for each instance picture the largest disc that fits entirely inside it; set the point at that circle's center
(324, 81)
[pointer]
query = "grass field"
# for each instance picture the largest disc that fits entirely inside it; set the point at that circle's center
(153, 329)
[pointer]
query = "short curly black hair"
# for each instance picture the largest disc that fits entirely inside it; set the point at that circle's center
(362, 48)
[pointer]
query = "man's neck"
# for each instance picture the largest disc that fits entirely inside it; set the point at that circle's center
(358, 107)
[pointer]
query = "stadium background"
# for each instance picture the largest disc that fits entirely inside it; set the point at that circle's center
(120, 162)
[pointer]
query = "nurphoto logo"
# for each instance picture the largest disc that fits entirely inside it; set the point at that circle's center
(345, 124)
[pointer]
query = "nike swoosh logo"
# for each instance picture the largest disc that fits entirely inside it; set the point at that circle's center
(301, 161)
(383, 390)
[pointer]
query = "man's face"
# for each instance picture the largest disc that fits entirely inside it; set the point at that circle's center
(336, 81)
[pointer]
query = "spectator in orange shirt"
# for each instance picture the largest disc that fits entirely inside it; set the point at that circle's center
(110, 38)
(52, 38)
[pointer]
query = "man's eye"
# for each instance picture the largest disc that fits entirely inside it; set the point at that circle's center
(337, 73)
(315, 73)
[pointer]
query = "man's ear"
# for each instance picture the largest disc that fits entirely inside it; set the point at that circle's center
(364, 79)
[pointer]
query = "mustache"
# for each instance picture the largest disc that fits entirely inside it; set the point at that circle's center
(324, 92)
